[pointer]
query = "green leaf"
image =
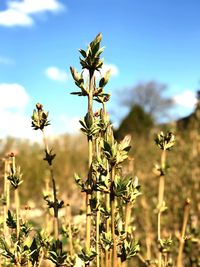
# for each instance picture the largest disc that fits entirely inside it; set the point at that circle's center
(83, 53)
(11, 221)
(106, 240)
(105, 79)
(49, 156)
(87, 255)
(129, 249)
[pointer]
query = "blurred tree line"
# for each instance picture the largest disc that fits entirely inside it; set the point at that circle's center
(147, 104)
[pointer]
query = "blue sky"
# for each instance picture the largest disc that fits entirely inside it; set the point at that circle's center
(145, 40)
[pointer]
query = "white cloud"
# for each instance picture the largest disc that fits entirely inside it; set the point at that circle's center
(35, 6)
(11, 17)
(186, 99)
(56, 74)
(6, 61)
(13, 101)
(13, 96)
(16, 124)
(69, 124)
(19, 13)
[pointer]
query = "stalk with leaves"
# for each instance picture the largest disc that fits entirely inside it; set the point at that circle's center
(55, 248)
(103, 172)
(105, 157)
(165, 142)
(91, 62)
(6, 196)
(15, 180)
(183, 231)
(39, 122)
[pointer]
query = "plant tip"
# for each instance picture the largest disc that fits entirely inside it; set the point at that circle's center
(188, 201)
(11, 155)
(39, 106)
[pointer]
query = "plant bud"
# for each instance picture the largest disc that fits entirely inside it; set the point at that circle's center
(11, 155)
(75, 74)
(105, 79)
(39, 106)
(89, 119)
(188, 201)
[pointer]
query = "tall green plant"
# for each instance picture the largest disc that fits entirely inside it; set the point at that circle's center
(105, 156)
(165, 142)
(39, 122)
(91, 62)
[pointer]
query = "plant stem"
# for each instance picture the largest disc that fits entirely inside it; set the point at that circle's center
(160, 201)
(68, 211)
(107, 196)
(47, 216)
(165, 259)
(17, 205)
(97, 231)
(56, 220)
(161, 190)
(182, 237)
(112, 200)
(17, 211)
(41, 258)
(102, 258)
(127, 216)
(91, 90)
(6, 191)
(88, 196)
(127, 222)
(140, 257)
(97, 216)
(107, 200)
(8, 196)
(90, 156)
